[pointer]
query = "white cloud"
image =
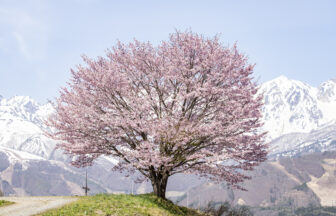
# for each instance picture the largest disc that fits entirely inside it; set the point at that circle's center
(28, 33)
(22, 45)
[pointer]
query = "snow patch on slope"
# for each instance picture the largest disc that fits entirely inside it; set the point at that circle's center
(24, 158)
(293, 106)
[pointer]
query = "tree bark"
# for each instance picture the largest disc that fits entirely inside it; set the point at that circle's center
(159, 183)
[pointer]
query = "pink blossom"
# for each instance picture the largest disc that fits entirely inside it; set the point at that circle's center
(188, 105)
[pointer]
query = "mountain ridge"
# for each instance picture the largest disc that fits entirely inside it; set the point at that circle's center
(294, 112)
(290, 106)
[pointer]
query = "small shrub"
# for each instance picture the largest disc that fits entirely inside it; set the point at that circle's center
(225, 209)
(302, 187)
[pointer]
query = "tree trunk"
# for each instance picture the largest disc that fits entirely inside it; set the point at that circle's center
(159, 183)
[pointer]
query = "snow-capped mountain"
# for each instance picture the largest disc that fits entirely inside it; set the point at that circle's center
(299, 118)
(293, 106)
(21, 124)
(290, 106)
(294, 144)
(327, 91)
(29, 163)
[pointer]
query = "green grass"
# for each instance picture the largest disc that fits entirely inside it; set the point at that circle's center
(108, 205)
(5, 203)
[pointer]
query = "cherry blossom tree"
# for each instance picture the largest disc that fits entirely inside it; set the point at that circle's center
(188, 105)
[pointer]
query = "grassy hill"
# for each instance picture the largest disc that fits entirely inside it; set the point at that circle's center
(102, 204)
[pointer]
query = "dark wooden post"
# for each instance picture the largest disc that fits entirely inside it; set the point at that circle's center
(86, 185)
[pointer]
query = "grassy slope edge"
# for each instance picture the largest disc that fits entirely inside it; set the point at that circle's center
(5, 203)
(121, 204)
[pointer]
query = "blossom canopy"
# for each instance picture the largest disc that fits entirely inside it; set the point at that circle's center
(188, 105)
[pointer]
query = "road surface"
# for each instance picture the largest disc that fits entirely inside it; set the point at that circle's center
(27, 206)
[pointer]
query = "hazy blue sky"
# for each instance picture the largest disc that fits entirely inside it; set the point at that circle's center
(41, 40)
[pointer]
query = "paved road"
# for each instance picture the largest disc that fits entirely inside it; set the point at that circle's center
(27, 206)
